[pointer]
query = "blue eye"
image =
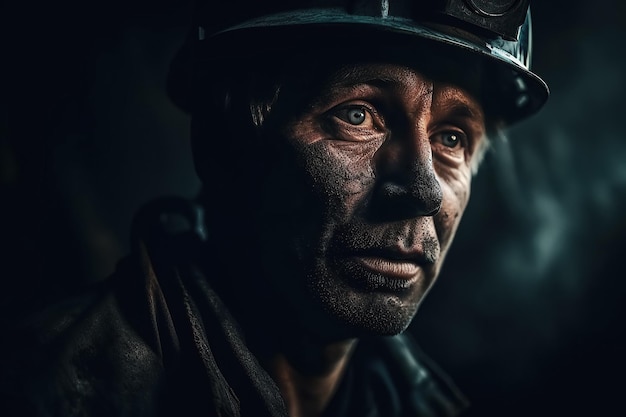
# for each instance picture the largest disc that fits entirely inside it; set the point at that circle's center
(356, 115)
(450, 139)
(357, 118)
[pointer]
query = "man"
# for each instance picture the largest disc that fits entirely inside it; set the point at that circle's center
(335, 168)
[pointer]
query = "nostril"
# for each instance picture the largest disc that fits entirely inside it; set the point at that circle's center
(407, 186)
(396, 201)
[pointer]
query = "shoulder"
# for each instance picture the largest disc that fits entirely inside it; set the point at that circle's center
(107, 348)
(111, 348)
(78, 355)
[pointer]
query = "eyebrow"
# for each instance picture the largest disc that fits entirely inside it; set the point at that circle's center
(354, 79)
(350, 77)
(462, 109)
(347, 77)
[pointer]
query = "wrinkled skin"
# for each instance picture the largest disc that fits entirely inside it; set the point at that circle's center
(358, 214)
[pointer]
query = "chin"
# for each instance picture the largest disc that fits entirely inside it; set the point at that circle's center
(385, 317)
(365, 312)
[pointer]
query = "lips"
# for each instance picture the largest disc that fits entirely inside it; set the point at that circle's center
(388, 270)
(396, 268)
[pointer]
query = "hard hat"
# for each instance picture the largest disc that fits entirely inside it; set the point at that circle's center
(495, 32)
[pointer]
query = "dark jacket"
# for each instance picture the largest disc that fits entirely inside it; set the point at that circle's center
(155, 339)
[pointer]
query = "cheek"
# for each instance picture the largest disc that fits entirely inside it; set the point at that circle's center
(340, 175)
(456, 193)
(316, 187)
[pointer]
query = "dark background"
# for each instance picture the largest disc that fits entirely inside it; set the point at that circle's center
(528, 314)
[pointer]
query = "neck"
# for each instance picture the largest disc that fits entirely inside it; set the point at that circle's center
(308, 376)
(306, 369)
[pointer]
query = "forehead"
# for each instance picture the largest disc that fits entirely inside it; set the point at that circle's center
(323, 83)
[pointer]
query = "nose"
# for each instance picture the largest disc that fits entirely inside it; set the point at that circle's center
(406, 184)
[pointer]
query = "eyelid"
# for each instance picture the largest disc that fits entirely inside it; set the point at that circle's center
(471, 126)
(377, 119)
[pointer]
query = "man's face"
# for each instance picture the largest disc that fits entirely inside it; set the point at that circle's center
(361, 208)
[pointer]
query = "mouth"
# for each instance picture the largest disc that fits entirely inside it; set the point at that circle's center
(398, 269)
(384, 270)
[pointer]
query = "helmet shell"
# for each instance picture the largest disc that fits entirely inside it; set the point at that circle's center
(498, 33)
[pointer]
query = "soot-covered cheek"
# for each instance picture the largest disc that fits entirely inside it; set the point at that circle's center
(341, 172)
(455, 198)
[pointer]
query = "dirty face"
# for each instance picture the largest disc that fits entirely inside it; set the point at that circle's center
(361, 209)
